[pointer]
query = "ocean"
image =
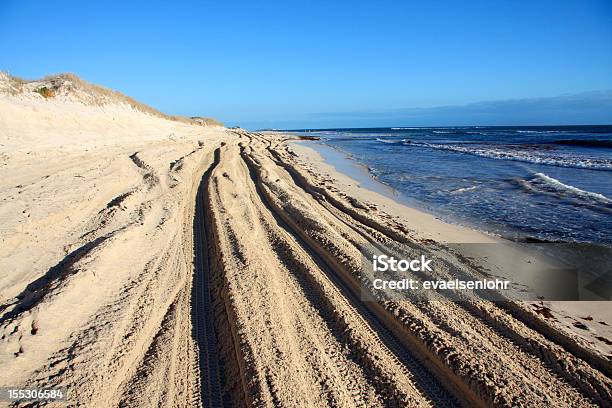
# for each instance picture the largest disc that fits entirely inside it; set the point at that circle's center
(540, 183)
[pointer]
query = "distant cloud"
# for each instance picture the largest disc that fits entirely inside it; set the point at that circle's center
(584, 108)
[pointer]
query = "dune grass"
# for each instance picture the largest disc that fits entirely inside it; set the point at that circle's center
(92, 94)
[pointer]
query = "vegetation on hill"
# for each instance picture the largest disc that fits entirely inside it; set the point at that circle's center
(72, 87)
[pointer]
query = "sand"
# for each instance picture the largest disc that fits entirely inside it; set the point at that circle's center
(96, 248)
(150, 262)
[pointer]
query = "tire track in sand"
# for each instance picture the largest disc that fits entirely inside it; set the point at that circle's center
(300, 332)
(201, 304)
(421, 379)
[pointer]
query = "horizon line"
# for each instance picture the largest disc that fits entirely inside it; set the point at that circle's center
(429, 127)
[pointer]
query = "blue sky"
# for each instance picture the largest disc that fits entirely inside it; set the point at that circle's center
(322, 63)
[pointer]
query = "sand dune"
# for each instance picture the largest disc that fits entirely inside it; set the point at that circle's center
(151, 262)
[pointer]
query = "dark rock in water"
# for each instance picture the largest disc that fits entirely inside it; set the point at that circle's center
(309, 138)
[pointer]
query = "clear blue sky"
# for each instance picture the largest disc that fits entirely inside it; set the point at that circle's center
(294, 64)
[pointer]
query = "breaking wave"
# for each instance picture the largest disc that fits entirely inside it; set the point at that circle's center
(463, 190)
(389, 141)
(563, 188)
(516, 153)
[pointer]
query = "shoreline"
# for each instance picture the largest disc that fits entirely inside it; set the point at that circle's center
(368, 188)
(499, 261)
(507, 199)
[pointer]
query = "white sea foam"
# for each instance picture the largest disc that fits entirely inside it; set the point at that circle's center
(463, 190)
(544, 131)
(558, 185)
(388, 141)
(458, 131)
(529, 156)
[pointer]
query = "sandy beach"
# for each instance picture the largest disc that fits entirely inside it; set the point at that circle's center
(156, 261)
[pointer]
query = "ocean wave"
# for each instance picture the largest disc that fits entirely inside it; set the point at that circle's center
(545, 131)
(389, 141)
(569, 189)
(458, 132)
(463, 190)
(516, 153)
